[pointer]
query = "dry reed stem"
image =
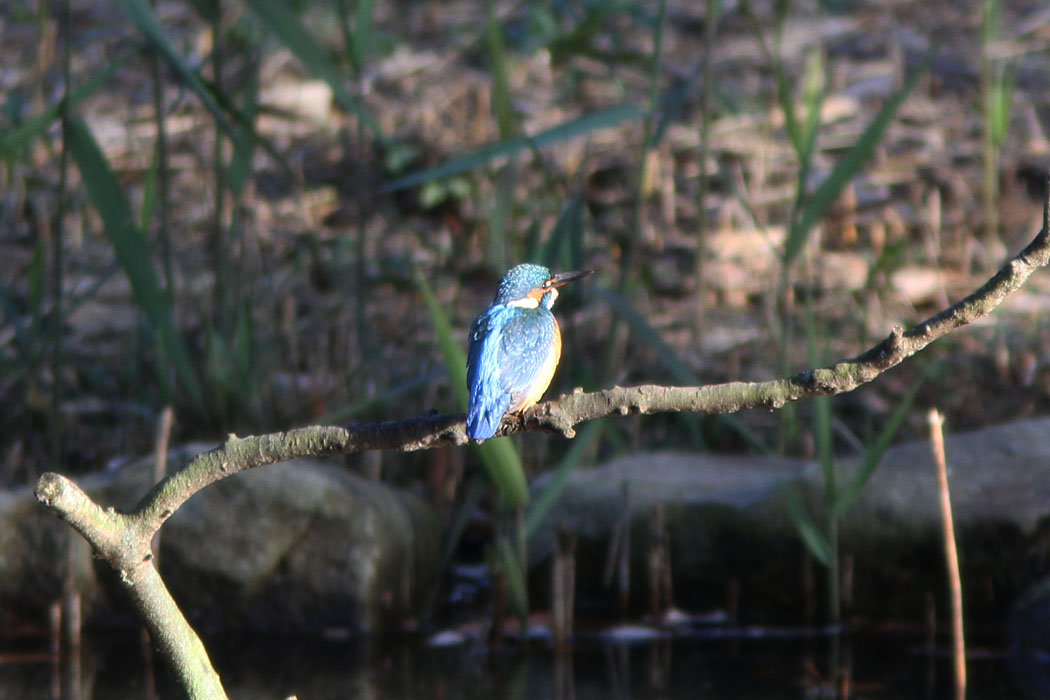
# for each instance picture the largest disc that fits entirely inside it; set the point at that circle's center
(951, 554)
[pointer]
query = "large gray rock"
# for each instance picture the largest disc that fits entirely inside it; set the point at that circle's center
(731, 534)
(302, 545)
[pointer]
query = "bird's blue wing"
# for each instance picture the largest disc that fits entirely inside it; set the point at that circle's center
(487, 400)
(508, 348)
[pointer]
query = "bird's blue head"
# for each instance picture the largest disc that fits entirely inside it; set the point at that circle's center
(530, 286)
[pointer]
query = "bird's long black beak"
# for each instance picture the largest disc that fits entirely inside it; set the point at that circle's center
(565, 277)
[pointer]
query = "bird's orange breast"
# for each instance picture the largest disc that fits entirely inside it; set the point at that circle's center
(544, 375)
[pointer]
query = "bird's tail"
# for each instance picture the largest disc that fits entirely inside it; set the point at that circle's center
(483, 416)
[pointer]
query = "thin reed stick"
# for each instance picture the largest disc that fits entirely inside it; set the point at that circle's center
(951, 554)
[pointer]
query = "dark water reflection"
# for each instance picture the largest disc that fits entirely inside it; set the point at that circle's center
(731, 667)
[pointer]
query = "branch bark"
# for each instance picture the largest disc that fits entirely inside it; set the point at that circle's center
(123, 539)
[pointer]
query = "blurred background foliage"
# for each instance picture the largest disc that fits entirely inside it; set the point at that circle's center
(240, 209)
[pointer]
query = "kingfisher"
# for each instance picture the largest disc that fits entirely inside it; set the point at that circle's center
(515, 346)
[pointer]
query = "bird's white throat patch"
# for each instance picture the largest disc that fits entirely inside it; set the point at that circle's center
(526, 303)
(531, 302)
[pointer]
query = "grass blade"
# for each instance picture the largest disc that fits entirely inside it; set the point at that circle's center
(23, 337)
(473, 495)
(149, 191)
(500, 214)
(813, 100)
(245, 124)
(501, 102)
(501, 459)
(244, 136)
(787, 106)
(874, 454)
(508, 560)
(362, 35)
(822, 438)
(643, 330)
(242, 353)
(846, 168)
(998, 101)
(131, 250)
(821, 407)
(143, 16)
(655, 59)
(346, 412)
(814, 539)
(602, 119)
(680, 372)
(15, 139)
(674, 102)
(568, 226)
(279, 18)
(541, 507)
(451, 351)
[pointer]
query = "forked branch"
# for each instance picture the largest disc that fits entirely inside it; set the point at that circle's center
(123, 539)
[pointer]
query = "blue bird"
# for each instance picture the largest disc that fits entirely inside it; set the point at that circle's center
(515, 346)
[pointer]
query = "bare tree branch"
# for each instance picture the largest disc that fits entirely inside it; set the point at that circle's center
(561, 415)
(123, 539)
(124, 543)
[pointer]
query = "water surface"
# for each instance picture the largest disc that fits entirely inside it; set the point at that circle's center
(724, 664)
